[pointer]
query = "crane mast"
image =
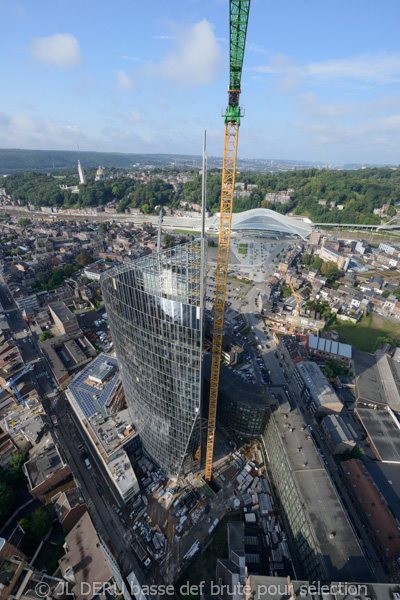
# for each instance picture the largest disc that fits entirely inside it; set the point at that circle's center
(298, 306)
(239, 14)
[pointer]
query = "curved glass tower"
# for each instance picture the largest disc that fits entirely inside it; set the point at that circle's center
(154, 308)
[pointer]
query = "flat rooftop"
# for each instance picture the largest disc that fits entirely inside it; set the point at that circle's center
(102, 372)
(112, 431)
(390, 377)
(368, 380)
(123, 474)
(44, 463)
(64, 353)
(61, 311)
(342, 555)
(17, 415)
(90, 397)
(383, 431)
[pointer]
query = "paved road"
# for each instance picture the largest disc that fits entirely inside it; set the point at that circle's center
(112, 528)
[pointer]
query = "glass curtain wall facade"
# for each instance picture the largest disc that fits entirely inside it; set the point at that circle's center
(303, 541)
(155, 312)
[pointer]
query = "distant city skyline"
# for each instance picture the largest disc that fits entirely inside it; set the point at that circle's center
(321, 82)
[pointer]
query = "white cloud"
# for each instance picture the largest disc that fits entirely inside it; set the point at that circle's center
(387, 124)
(289, 74)
(24, 131)
(328, 133)
(132, 58)
(58, 50)
(368, 69)
(124, 81)
(359, 137)
(256, 48)
(133, 117)
(379, 68)
(311, 105)
(197, 59)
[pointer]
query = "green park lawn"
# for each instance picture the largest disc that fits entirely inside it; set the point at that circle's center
(364, 335)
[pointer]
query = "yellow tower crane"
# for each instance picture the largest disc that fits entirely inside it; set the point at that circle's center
(298, 305)
(239, 14)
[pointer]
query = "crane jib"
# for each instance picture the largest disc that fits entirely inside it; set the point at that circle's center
(239, 15)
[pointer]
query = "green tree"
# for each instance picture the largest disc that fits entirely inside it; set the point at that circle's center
(39, 522)
(383, 340)
(24, 222)
(146, 209)
(285, 291)
(356, 452)
(46, 335)
(57, 277)
(83, 259)
(14, 471)
(307, 258)
(69, 270)
(42, 277)
(169, 240)
(330, 270)
(121, 206)
(7, 498)
(317, 263)
(24, 523)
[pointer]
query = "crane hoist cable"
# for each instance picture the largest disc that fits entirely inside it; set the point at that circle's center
(239, 14)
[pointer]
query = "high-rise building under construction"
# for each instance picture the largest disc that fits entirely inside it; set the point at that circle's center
(154, 308)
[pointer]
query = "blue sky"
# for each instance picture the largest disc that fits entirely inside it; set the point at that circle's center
(321, 80)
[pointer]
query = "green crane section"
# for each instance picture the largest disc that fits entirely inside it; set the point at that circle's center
(239, 16)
